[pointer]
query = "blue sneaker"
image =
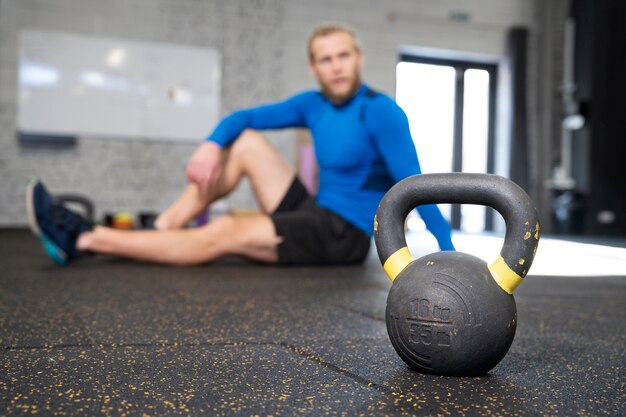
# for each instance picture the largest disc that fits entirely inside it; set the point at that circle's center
(57, 226)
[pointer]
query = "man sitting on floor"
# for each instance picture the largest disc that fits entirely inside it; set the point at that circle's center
(362, 144)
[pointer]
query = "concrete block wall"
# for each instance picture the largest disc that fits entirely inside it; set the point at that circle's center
(129, 173)
(263, 56)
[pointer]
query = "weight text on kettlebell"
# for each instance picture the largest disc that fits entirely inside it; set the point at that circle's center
(430, 323)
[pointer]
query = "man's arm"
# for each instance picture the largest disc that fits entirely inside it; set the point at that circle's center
(204, 167)
(288, 113)
(393, 138)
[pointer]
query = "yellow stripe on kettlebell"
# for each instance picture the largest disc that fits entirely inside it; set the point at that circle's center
(397, 262)
(505, 277)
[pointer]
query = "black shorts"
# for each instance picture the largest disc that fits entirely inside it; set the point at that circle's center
(313, 235)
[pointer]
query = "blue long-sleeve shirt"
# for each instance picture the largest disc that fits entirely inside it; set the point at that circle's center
(362, 147)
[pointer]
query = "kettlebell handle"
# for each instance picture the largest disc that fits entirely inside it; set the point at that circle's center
(515, 206)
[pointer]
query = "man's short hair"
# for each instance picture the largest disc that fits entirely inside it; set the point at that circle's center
(329, 29)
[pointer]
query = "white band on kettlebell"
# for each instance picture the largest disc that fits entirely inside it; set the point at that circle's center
(397, 262)
(505, 277)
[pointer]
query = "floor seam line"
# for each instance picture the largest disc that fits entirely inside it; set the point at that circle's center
(336, 369)
(360, 313)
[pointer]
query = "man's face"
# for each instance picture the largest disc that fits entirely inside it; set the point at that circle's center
(336, 63)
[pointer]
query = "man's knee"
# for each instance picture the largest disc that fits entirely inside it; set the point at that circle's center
(249, 141)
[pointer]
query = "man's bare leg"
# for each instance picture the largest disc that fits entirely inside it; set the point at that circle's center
(251, 236)
(250, 155)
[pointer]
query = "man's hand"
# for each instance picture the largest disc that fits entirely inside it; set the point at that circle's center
(205, 166)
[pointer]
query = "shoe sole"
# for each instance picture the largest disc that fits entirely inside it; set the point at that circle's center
(55, 253)
(53, 250)
(30, 208)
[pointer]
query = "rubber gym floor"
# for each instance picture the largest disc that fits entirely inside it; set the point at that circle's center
(110, 337)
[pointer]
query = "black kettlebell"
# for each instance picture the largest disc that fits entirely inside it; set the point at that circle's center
(79, 201)
(449, 313)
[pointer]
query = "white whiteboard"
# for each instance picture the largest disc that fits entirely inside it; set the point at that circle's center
(75, 84)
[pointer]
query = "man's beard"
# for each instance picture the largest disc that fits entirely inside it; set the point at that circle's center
(340, 99)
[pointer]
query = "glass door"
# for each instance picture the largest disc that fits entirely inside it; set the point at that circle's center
(450, 107)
